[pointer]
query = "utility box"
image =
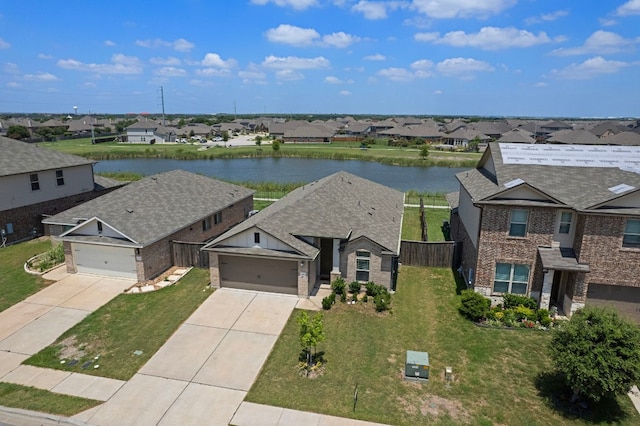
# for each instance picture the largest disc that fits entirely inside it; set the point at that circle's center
(417, 366)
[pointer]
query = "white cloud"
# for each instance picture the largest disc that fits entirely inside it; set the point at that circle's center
(41, 76)
(295, 62)
(295, 4)
(181, 45)
(290, 34)
(168, 61)
(376, 57)
(252, 74)
(488, 38)
(289, 75)
(335, 80)
(607, 22)
(422, 64)
(547, 17)
(13, 84)
(589, 69)
(600, 42)
(109, 43)
(345, 93)
(632, 7)
(445, 9)
(437, 92)
(44, 56)
(540, 84)
(170, 72)
(214, 72)
(11, 68)
(340, 39)
(4, 44)
(462, 67)
(374, 10)
(120, 64)
(214, 60)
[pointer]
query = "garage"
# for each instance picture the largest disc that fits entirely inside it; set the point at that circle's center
(625, 299)
(249, 273)
(104, 260)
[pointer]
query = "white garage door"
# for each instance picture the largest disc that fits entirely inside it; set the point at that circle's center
(277, 276)
(104, 260)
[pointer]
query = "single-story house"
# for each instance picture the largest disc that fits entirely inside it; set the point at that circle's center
(339, 226)
(128, 232)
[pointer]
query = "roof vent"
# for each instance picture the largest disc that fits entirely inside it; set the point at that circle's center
(129, 210)
(513, 183)
(619, 189)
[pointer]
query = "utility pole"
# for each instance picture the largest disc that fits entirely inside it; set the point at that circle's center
(235, 113)
(164, 122)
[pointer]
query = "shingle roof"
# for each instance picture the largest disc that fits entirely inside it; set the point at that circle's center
(581, 188)
(21, 157)
(580, 137)
(627, 138)
(157, 206)
(341, 205)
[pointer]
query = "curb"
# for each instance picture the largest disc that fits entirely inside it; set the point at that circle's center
(18, 416)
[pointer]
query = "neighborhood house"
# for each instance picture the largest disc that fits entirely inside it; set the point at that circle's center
(559, 223)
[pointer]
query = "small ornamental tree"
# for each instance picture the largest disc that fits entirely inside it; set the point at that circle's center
(258, 140)
(598, 353)
(275, 145)
(424, 152)
(311, 334)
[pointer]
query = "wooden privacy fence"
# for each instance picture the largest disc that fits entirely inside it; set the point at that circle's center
(423, 253)
(185, 253)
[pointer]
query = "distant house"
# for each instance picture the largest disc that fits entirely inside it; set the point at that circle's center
(558, 223)
(36, 182)
(576, 137)
(517, 136)
(461, 138)
(150, 132)
(310, 133)
(626, 138)
(128, 232)
(339, 226)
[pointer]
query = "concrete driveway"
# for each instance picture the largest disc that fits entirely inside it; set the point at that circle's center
(37, 321)
(203, 372)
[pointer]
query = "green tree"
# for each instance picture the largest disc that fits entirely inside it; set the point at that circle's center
(192, 133)
(275, 145)
(45, 132)
(424, 151)
(225, 136)
(598, 353)
(311, 333)
(258, 140)
(474, 144)
(18, 132)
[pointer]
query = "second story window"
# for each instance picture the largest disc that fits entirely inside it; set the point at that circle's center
(206, 224)
(565, 222)
(256, 237)
(518, 223)
(35, 183)
(59, 178)
(217, 218)
(631, 237)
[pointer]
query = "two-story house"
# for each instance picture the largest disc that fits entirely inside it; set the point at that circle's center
(557, 223)
(37, 182)
(150, 132)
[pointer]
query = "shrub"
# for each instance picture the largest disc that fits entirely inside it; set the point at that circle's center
(338, 285)
(327, 302)
(514, 300)
(474, 305)
(524, 313)
(546, 321)
(492, 314)
(509, 318)
(382, 301)
(354, 287)
(371, 288)
(541, 314)
(365, 298)
(343, 297)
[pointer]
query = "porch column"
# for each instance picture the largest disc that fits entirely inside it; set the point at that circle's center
(335, 258)
(545, 294)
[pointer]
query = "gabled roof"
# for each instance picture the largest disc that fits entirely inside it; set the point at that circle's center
(309, 131)
(623, 138)
(577, 137)
(571, 180)
(517, 136)
(157, 206)
(341, 206)
(20, 157)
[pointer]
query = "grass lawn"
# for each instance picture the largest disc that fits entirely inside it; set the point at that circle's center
(28, 398)
(128, 323)
(15, 284)
(411, 223)
(499, 374)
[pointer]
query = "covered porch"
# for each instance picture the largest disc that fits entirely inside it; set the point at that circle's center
(561, 275)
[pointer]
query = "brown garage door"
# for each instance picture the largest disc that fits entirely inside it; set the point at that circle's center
(278, 276)
(625, 299)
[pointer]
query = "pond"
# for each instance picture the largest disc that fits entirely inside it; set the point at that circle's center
(304, 170)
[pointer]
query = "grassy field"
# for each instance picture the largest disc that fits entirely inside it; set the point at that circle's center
(411, 223)
(499, 375)
(15, 284)
(128, 323)
(28, 398)
(335, 151)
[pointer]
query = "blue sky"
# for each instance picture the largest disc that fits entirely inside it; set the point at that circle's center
(574, 58)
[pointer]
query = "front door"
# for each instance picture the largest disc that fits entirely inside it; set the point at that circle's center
(326, 258)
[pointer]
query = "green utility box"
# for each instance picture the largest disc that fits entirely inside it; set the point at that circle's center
(417, 366)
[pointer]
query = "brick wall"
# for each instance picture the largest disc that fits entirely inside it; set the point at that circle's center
(379, 265)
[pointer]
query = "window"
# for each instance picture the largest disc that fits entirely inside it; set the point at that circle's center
(565, 222)
(206, 224)
(99, 227)
(362, 265)
(256, 237)
(631, 236)
(518, 225)
(511, 278)
(217, 218)
(35, 183)
(59, 178)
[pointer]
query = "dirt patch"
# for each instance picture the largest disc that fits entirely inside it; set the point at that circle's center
(435, 406)
(70, 349)
(160, 277)
(392, 359)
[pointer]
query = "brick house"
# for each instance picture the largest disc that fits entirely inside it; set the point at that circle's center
(128, 232)
(36, 182)
(339, 226)
(558, 223)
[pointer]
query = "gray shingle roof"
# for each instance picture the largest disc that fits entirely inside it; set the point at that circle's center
(581, 188)
(341, 205)
(21, 157)
(157, 206)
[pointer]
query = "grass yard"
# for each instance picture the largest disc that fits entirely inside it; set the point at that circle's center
(28, 398)
(15, 284)
(499, 375)
(128, 323)
(411, 223)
